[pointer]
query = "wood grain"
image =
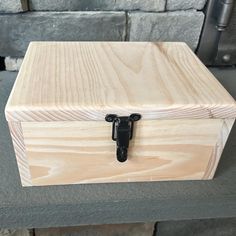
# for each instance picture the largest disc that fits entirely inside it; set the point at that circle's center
(19, 148)
(62, 81)
(64, 90)
(219, 147)
(83, 152)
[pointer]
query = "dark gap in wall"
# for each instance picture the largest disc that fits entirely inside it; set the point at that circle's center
(204, 10)
(155, 229)
(165, 7)
(127, 26)
(2, 63)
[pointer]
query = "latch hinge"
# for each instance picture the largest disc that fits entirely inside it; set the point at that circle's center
(122, 132)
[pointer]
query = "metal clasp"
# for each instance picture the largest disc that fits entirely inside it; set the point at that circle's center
(122, 132)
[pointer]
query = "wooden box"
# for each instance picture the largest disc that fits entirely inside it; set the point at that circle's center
(64, 91)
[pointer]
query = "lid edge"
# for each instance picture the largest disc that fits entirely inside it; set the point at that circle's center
(176, 112)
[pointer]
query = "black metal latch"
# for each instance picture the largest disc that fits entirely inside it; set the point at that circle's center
(122, 132)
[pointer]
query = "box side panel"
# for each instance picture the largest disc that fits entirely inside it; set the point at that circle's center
(19, 148)
(219, 147)
(83, 152)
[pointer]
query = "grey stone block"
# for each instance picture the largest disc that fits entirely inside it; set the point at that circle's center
(173, 5)
(169, 26)
(139, 229)
(211, 227)
(91, 5)
(13, 64)
(18, 30)
(13, 6)
(14, 232)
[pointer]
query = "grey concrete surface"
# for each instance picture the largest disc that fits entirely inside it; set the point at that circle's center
(173, 5)
(184, 26)
(212, 227)
(92, 5)
(113, 203)
(18, 30)
(227, 77)
(13, 6)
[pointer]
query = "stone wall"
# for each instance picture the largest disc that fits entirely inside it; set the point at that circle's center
(23, 21)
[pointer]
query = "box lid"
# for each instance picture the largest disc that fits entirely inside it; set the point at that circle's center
(87, 80)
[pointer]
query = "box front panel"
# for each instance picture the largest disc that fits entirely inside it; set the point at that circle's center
(83, 152)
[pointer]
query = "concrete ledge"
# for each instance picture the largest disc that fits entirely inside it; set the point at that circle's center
(66, 205)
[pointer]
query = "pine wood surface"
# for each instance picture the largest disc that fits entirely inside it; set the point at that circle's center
(86, 80)
(83, 152)
(219, 147)
(20, 152)
(64, 90)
